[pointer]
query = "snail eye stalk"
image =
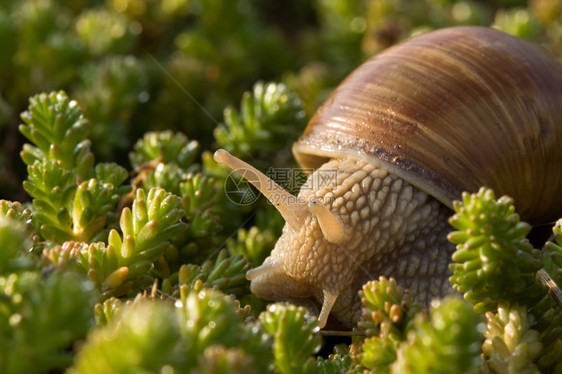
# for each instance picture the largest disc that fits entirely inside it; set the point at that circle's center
(294, 213)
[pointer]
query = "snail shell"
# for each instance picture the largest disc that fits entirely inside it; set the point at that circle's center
(409, 130)
(450, 111)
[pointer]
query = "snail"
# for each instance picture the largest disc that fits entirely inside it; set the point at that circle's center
(403, 136)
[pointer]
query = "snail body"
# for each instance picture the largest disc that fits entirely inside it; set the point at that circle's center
(409, 130)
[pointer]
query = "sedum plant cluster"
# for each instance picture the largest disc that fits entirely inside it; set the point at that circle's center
(122, 246)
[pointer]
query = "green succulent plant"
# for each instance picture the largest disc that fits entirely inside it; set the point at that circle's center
(494, 260)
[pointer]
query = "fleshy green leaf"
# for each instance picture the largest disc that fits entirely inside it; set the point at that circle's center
(494, 261)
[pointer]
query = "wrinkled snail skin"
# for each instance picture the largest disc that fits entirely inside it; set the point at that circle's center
(409, 130)
(391, 229)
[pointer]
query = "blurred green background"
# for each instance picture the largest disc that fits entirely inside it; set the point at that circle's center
(147, 65)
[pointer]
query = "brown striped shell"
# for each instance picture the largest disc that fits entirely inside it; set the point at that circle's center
(450, 111)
